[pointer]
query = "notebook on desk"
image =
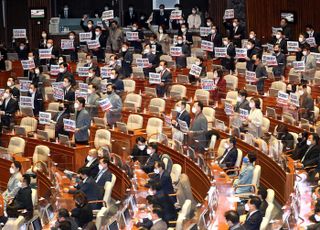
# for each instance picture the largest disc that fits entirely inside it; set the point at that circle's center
(36, 224)
(20, 131)
(113, 226)
(122, 127)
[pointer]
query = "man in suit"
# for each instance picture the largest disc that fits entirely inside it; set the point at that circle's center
(153, 60)
(152, 151)
(230, 155)
(182, 115)
(242, 102)
(93, 101)
(89, 27)
(63, 72)
(261, 73)
(311, 156)
(88, 186)
(104, 173)
(278, 70)
(137, 44)
(157, 222)
(22, 200)
(139, 152)
(214, 37)
(93, 78)
(116, 81)
(166, 79)
(310, 64)
(15, 90)
(12, 186)
(280, 40)
(37, 99)
(127, 58)
(64, 113)
(114, 113)
(228, 61)
(232, 218)
(236, 31)
(156, 47)
(54, 53)
(89, 62)
(102, 39)
(3, 56)
(92, 163)
(311, 33)
(254, 217)
(115, 38)
(130, 16)
(262, 193)
(286, 29)
(163, 177)
(62, 217)
(251, 51)
(9, 107)
(160, 17)
(253, 36)
(69, 94)
(199, 127)
(83, 121)
(181, 60)
(306, 103)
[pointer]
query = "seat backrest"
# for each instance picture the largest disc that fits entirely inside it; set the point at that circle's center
(53, 106)
(41, 153)
(295, 137)
(101, 216)
(232, 96)
(135, 121)
(129, 85)
(186, 208)
(239, 159)
(158, 102)
(209, 113)
(102, 138)
(269, 210)
(16, 145)
(181, 89)
(221, 148)
(166, 57)
(175, 173)
(265, 124)
(29, 123)
(270, 196)
(34, 196)
(264, 224)
(213, 141)
(154, 126)
(231, 80)
(256, 175)
(113, 179)
(279, 85)
(167, 162)
(14, 223)
(107, 193)
(203, 93)
(191, 60)
(134, 98)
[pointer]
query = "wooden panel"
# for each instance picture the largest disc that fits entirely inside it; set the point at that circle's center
(216, 11)
(262, 15)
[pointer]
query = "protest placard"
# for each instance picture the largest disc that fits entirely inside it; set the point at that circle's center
(229, 14)
(45, 53)
(176, 15)
(58, 93)
(105, 72)
(83, 87)
(195, 70)
(67, 44)
(154, 78)
(105, 104)
(107, 15)
(57, 84)
(26, 101)
(44, 118)
(292, 46)
(83, 94)
(54, 70)
(132, 36)
(282, 98)
(251, 76)
(241, 53)
(220, 52)
(183, 126)
(93, 44)
(208, 84)
(142, 62)
(69, 125)
(243, 114)
(205, 31)
(19, 33)
(299, 66)
(175, 51)
(83, 71)
(27, 64)
(83, 37)
(24, 85)
(228, 108)
(311, 41)
(269, 60)
(207, 46)
(316, 56)
(294, 99)
(275, 30)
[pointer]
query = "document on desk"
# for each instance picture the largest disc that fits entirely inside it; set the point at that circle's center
(69, 125)
(183, 126)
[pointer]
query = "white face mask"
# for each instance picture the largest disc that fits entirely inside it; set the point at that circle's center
(278, 36)
(123, 49)
(197, 63)
(209, 24)
(308, 142)
(112, 76)
(44, 35)
(194, 11)
(160, 68)
(249, 47)
(178, 109)
(37, 71)
(134, 28)
(30, 58)
(49, 45)
(239, 99)
(183, 30)
(316, 217)
(226, 145)
(300, 40)
(213, 31)
(179, 42)
(71, 37)
(100, 167)
(89, 91)
(225, 43)
(9, 84)
(304, 53)
(19, 184)
(31, 91)
(76, 106)
(156, 171)
(61, 70)
(12, 171)
(97, 33)
(149, 151)
(141, 147)
(301, 92)
(146, 51)
(194, 110)
(5, 95)
(234, 24)
(246, 207)
(88, 61)
(89, 26)
(89, 158)
(252, 105)
(91, 74)
(161, 31)
(251, 36)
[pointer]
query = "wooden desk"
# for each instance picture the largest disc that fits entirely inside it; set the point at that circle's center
(71, 158)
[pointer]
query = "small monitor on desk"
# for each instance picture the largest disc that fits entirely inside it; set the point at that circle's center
(99, 122)
(193, 227)
(175, 95)
(271, 112)
(36, 224)
(122, 127)
(152, 92)
(130, 106)
(125, 215)
(27, 111)
(154, 109)
(47, 214)
(42, 135)
(204, 221)
(20, 131)
(113, 226)
(64, 140)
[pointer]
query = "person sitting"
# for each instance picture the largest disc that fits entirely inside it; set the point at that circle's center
(116, 81)
(104, 173)
(92, 163)
(301, 146)
(82, 213)
(242, 102)
(21, 204)
(87, 186)
(230, 155)
(163, 177)
(152, 151)
(254, 217)
(232, 218)
(139, 152)
(285, 137)
(14, 180)
(157, 222)
(262, 193)
(311, 156)
(64, 216)
(246, 174)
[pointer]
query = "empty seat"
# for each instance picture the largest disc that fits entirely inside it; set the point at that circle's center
(279, 85)
(232, 81)
(16, 145)
(232, 96)
(159, 103)
(202, 95)
(129, 85)
(29, 124)
(175, 173)
(135, 121)
(178, 91)
(102, 138)
(209, 113)
(135, 99)
(154, 127)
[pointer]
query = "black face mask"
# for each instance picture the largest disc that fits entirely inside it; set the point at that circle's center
(61, 108)
(109, 92)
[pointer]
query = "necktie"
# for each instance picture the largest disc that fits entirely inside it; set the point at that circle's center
(306, 153)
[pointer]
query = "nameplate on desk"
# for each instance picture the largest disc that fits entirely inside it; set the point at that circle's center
(83, 37)
(195, 70)
(207, 45)
(105, 104)
(67, 44)
(205, 31)
(27, 64)
(154, 78)
(44, 118)
(54, 70)
(220, 52)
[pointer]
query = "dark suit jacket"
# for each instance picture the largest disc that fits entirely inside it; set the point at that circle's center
(148, 167)
(250, 54)
(61, 76)
(253, 222)
(282, 43)
(311, 156)
(160, 19)
(263, 207)
(153, 60)
(169, 211)
(240, 31)
(59, 128)
(138, 154)
(23, 199)
(166, 183)
(118, 83)
(106, 176)
(16, 93)
(69, 95)
(242, 105)
(126, 68)
(129, 20)
(3, 52)
(229, 63)
(279, 69)
(182, 60)
(216, 39)
(185, 116)
(166, 78)
(231, 157)
(82, 215)
(38, 102)
(9, 110)
(316, 36)
(89, 188)
(94, 167)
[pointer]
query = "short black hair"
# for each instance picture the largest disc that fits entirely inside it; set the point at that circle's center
(84, 171)
(156, 185)
(154, 145)
(256, 102)
(10, 90)
(157, 209)
(164, 62)
(27, 179)
(105, 160)
(113, 86)
(233, 140)
(140, 139)
(309, 26)
(161, 164)
(255, 201)
(68, 78)
(200, 104)
(315, 137)
(62, 212)
(263, 193)
(252, 156)
(232, 216)
(17, 164)
(243, 93)
(82, 101)
(64, 64)
(64, 225)
(251, 41)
